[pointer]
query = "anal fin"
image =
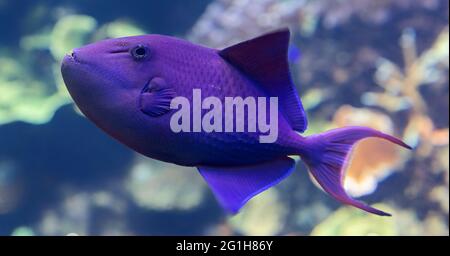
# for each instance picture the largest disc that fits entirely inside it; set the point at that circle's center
(234, 186)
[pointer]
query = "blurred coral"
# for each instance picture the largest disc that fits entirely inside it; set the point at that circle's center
(10, 187)
(402, 88)
(229, 21)
(161, 186)
(23, 231)
(24, 96)
(348, 221)
(78, 214)
(70, 32)
(264, 215)
(422, 86)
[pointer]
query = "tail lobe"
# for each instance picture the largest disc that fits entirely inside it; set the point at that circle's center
(327, 155)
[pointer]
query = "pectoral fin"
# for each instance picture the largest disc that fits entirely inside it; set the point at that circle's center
(234, 186)
(155, 97)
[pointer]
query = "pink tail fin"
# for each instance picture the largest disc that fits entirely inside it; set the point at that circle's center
(327, 156)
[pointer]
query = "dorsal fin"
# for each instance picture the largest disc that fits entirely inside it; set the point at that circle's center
(264, 59)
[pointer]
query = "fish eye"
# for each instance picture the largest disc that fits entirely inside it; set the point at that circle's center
(139, 52)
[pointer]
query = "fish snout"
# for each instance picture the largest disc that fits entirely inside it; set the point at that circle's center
(71, 58)
(73, 54)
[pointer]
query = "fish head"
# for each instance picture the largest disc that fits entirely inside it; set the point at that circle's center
(109, 73)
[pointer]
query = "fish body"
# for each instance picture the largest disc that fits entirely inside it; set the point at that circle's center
(184, 66)
(128, 86)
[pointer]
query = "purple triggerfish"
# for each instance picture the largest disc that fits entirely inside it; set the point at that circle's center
(133, 87)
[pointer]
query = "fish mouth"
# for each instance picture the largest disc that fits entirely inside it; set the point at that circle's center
(73, 70)
(71, 64)
(70, 57)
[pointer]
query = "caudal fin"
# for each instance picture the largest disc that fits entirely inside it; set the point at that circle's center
(327, 154)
